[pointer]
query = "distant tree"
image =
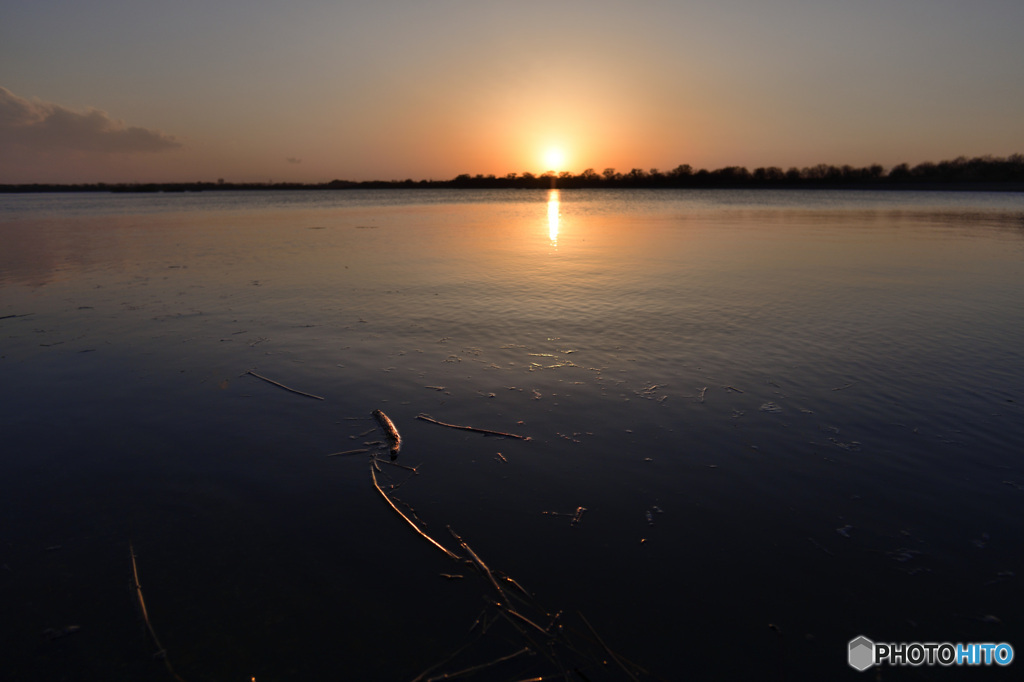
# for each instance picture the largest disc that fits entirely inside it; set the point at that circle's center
(900, 172)
(610, 174)
(768, 175)
(590, 175)
(819, 172)
(924, 171)
(731, 176)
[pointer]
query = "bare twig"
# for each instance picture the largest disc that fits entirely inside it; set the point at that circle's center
(478, 562)
(512, 581)
(287, 388)
(414, 469)
(416, 528)
(488, 432)
(349, 452)
(161, 652)
(478, 668)
(512, 612)
(611, 653)
(451, 657)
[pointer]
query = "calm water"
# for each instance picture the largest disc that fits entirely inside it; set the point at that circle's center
(792, 418)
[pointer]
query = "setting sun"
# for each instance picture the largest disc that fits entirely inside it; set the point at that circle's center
(554, 159)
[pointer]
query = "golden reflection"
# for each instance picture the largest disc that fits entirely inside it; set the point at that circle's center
(554, 204)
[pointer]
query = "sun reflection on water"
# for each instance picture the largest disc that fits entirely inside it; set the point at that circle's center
(554, 205)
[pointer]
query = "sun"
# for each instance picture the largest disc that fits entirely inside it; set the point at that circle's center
(554, 159)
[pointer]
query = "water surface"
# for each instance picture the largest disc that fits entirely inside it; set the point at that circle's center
(792, 418)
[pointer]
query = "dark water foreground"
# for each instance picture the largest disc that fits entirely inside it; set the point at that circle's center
(791, 418)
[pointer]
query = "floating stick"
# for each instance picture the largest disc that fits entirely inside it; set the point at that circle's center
(414, 469)
(287, 388)
(394, 440)
(611, 653)
(516, 584)
(512, 612)
(349, 452)
(161, 652)
(479, 564)
(478, 668)
(416, 528)
(430, 419)
(539, 647)
(450, 658)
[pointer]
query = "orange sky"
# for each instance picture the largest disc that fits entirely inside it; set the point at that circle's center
(311, 91)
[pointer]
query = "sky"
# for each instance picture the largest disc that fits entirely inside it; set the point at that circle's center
(316, 90)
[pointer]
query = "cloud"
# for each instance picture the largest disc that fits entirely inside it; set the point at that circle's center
(45, 126)
(292, 159)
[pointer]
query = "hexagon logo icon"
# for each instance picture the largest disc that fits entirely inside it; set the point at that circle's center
(862, 653)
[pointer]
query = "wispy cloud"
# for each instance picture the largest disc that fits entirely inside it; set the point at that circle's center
(292, 159)
(46, 126)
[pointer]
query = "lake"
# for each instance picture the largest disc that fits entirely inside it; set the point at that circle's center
(755, 425)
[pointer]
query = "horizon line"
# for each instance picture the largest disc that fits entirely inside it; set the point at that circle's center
(961, 169)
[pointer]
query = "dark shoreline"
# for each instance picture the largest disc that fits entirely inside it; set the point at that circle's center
(1010, 186)
(983, 174)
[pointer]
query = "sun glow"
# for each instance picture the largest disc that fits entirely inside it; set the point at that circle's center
(554, 159)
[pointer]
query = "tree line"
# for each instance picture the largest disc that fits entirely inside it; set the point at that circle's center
(985, 172)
